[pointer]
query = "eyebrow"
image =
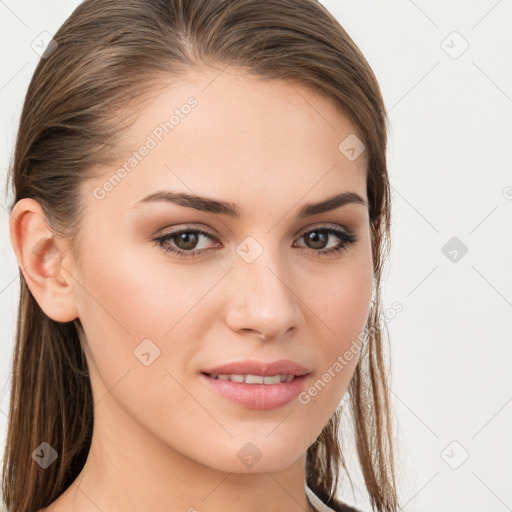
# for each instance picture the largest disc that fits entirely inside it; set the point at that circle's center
(206, 204)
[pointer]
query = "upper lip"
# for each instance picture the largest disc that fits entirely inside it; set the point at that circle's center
(283, 366)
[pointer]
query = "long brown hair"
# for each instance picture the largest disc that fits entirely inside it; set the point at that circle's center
(109, 55)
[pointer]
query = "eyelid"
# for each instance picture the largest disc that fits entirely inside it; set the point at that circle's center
(327, 225)
(302, 231)
(346, 237)
(183, 227)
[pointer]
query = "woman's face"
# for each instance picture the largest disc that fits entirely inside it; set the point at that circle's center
(257, 286)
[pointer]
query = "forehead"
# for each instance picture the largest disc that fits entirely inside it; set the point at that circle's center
(236, 137)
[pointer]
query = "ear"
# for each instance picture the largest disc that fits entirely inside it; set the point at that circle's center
(43, 260)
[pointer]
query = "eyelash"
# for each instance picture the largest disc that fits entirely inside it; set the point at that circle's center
(346, 236)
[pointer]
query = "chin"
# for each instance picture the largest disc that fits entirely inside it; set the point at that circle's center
(257, 455)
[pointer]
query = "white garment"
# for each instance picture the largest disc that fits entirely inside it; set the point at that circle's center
(316, 502)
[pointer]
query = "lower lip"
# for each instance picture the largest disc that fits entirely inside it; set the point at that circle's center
(257, 396)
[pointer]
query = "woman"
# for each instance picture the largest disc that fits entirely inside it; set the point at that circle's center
(200, 215)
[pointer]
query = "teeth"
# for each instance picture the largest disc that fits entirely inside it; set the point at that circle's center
(254, 379)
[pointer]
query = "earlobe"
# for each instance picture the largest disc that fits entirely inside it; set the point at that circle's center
(41, 257)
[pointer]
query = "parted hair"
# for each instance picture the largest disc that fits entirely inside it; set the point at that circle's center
(108, 56)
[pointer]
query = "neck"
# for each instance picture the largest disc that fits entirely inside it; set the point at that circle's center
(129, 469)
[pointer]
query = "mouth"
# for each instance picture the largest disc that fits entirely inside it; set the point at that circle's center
(253, 370)
(253, 379)
(256, 392)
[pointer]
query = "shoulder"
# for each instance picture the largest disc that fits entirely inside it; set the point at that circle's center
(348, 508)
(320, 506)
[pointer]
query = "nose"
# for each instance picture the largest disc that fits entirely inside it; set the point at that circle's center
(263, 300)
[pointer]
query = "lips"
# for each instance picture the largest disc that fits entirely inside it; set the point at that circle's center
(241, 382)
(263, 369)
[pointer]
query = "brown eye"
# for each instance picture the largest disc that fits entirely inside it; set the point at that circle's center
(317, 239)
(188, 239)
(184, 241)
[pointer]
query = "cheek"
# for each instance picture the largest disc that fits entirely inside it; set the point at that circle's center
(135, 314)
(342, 306)
(133, 298)
(343, 303)
(130, 309)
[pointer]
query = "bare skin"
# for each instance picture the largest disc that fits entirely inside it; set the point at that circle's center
(163, 441)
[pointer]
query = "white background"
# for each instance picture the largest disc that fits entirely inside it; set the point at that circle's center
(450, 162)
